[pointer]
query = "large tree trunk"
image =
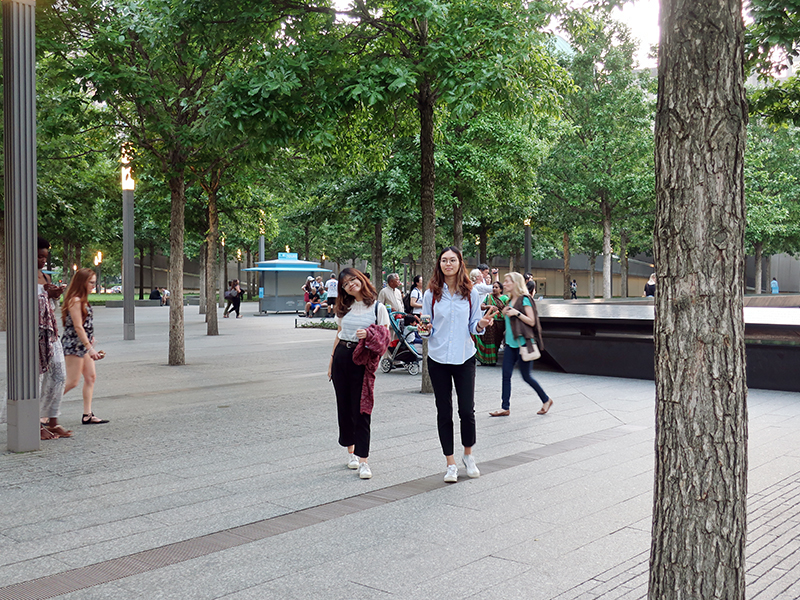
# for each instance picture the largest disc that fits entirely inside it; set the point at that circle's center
(201, 298)
(567, 276)
(623, 263)
(605, 208)
(176, 231)
(152, 267)
(458, 220)
(66, 262)
(767, 272)
(699, 518)
(377, 255)
(141, 272)
(592, 270)
(758, 260)
(425, 103)
(211, 244)
(483, 244)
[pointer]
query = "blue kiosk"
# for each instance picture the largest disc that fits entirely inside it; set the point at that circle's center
(281, 280)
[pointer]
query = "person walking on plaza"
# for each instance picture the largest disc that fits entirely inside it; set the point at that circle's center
(333, 291)
(454, 309)
(522, 323)
(357, 309)
(52, 369)
(573, 290)
(488, 344)
(774, 286)
(650, 286)
(78, 340)
(391, 294)
(236, 298)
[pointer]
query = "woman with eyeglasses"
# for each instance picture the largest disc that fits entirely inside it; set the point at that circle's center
(356, 310)
(451, 311)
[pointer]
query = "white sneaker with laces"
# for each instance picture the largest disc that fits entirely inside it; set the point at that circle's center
(352, 462)
(452, 474)
(472, 468)
(364, 471)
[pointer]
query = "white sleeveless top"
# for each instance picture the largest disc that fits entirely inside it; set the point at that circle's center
(361, 316)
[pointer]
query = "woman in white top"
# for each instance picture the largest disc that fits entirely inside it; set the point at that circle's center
(455, 310)
(356, 309)
(415, 296)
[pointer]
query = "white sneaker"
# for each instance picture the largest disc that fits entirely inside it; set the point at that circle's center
(363, 471)
(352, 462)
(452, 474)
(472, 468)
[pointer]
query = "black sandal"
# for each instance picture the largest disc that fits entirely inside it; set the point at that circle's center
(87, 420)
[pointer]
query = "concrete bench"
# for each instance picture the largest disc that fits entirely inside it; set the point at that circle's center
(118, 303)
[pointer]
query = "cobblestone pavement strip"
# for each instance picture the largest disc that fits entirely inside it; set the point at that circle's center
(222, 479)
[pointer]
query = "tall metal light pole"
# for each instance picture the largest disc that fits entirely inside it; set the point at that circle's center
(19, 97)
(527, 245)
(128, 271)
(98, 262)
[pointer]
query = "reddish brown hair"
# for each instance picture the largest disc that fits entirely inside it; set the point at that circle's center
(344, 300)
(463, 283)
(77, 289)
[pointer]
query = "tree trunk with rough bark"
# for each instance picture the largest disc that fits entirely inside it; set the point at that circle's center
(483, 244)
(759, 247)
(425, 105)
(767, 271)
(623, 264)
(699, 517)
(211, 245)
(592, 270)
(176, 231)
(458, 220)
(141, 272)
(377, 255)
(605, 208)
(201, 300)
(152, 267)
(567, 276)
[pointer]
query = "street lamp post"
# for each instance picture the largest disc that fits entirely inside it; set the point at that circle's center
(527, 245)
(128, 271)
(98, 263)
(22, 338)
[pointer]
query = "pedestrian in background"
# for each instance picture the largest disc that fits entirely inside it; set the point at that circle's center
(78, 340)
(520, 311)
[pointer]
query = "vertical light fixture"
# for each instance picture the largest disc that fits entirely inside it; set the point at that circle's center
(128, 270)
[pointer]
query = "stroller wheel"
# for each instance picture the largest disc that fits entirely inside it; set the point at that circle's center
(386, 365)
(413, 368)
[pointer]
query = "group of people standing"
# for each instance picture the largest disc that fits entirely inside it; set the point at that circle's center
(452, 316)
(64, 360)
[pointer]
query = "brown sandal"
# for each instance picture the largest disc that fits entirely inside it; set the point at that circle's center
(500, 413)
(46, 434)
(59, 430)
(545, 407)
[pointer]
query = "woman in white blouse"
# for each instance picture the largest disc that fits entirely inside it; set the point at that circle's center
(455, 311)
(356, 309)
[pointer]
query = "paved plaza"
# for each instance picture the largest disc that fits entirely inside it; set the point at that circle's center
(223, 479)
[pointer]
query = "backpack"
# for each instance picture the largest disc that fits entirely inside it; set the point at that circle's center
(407, 308)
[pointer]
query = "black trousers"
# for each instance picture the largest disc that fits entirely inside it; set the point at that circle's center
(348, 378)
(443, 378)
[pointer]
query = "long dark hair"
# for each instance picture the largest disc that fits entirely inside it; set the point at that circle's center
(344, 300)
(77, 289)
(463, 283)
(417, 283)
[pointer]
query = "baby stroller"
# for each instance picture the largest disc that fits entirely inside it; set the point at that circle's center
(402, 354)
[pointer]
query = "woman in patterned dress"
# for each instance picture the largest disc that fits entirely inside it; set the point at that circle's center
(488, 344)
(78, 340)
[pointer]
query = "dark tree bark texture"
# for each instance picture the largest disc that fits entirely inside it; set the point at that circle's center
(425, 104)
(210, 273)
(699, 520)
(567, 274)
(176, 230)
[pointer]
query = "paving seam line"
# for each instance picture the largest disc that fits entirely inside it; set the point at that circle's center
(115, 569)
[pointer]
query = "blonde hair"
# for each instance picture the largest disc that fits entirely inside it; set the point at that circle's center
(520, 289)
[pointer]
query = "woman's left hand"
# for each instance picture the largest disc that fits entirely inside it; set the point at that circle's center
(510, 311)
